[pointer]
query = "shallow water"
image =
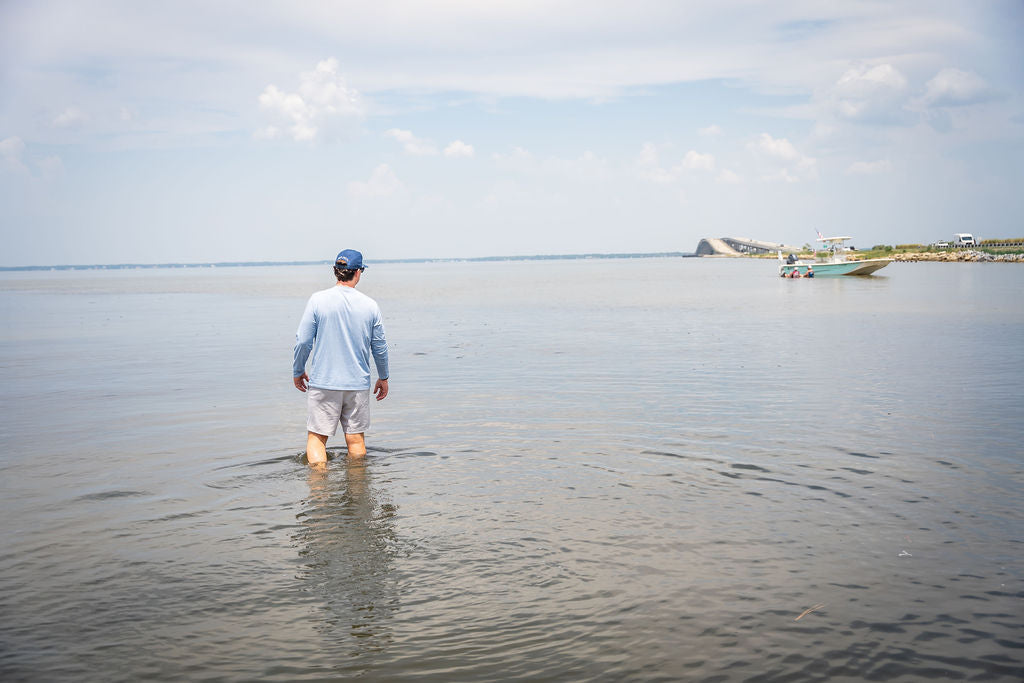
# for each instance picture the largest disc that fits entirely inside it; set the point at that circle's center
(635, 469)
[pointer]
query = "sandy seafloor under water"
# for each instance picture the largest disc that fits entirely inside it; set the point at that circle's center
(638, 469)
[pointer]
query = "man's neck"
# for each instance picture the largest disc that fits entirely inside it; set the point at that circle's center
(354, 281)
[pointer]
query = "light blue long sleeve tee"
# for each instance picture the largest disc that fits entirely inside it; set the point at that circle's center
(339, 331)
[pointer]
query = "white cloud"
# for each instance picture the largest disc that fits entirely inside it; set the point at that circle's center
(574, 48)
(11, 149)
(458, 148)
(12, 158)
(779, 148)
(412, 144)
(869, 94)
(954, 87)
(781, 175)
(323, 98)
(268, 133)
(786, 163)
(728, 177)
(648, 166)
(694, 161)
(519, 160)
(382, 183)
(581, 49)
(870, 167)
(710, 131)
(658, 175)
(864, 80)
(292, 108)
(648, 155)
(72, 117)
(50, 167)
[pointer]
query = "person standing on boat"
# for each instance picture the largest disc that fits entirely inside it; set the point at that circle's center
(339, 332)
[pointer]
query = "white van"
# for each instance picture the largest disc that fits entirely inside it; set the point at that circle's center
(964, 239)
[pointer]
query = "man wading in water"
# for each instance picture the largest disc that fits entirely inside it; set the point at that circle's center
(342, 328)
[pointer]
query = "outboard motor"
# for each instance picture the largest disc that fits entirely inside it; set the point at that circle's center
(791, 259)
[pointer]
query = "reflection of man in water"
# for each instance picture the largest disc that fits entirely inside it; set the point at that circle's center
(342, 328)
(347, 543)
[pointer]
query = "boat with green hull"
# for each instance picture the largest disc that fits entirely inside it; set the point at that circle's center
(835, 263)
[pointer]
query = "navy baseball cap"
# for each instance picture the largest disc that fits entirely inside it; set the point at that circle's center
(350, 259)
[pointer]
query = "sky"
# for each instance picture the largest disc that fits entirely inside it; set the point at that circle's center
(196, 131)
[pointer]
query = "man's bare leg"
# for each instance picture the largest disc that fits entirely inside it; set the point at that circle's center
(356, 444)
(316, 449)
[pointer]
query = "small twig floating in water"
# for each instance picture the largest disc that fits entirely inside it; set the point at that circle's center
(809, 610)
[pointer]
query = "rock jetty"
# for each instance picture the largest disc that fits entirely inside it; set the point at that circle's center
(962, 256)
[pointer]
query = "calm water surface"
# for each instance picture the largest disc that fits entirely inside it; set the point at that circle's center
(586, 470)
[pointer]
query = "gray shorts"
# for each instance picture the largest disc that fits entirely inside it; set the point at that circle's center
(326, 408)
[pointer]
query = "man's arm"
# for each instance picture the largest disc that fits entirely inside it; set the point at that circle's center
(379, 348)
(303, 345)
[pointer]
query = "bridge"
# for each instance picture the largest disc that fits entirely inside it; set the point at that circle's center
(739, 246)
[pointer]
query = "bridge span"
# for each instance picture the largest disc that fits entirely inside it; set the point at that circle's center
(739, 246)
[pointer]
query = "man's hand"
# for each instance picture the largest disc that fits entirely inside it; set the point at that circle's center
(380, 389)
(302, 381)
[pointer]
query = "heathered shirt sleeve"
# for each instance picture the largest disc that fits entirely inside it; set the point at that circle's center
(304, 339)
(379, 346)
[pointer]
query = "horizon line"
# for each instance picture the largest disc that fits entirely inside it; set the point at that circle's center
(243, 264)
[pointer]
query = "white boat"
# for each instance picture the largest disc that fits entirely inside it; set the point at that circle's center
(833, 264)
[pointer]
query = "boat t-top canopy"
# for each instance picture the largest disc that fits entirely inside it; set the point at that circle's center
(834, 239)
